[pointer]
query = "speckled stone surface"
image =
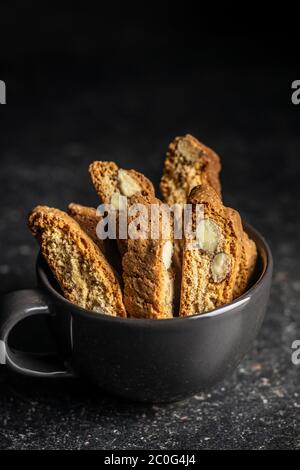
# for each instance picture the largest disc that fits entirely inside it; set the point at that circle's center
(45, 147)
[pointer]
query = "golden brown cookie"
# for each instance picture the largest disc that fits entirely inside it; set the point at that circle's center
(188, 163)
(247, 265)
(88, 219)
(147, 265)
(82, 271)
(212, 260)
(110, 182)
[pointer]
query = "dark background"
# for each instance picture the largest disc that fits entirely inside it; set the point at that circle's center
(119, 83)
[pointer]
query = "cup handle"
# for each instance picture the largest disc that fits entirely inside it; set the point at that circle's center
(17, 306)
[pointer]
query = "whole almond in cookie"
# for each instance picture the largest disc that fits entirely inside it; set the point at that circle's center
(115, 185)
(188, 163)
(214, 262)
(111, 182)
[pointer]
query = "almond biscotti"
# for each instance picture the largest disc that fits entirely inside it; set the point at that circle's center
(147, 265)
(214, 262)
(115, 185)
(83, 273)
(88, 219)
(247, 265)
(188, 163)
(111, 182)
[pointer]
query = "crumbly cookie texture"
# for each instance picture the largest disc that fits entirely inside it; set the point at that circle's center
(115, 185)
(188, 163)
(88, 219)
(217, 260)
(111, 182)
(82, 271)
(148, 267)
(247, 265)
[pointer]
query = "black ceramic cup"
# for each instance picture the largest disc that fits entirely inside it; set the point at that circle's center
(142, 360)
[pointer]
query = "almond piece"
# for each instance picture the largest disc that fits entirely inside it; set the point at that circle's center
(127, 185)
(208, 235)
(167, 253)
(220, 267)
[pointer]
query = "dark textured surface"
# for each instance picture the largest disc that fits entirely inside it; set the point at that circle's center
(55, 125)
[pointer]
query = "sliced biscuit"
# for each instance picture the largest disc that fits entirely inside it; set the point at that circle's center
(110, 182)
(188, 163)
(147, 264)
(247, 265)
(115, 185)
(82, 271)
(212, 260)
(88, 219)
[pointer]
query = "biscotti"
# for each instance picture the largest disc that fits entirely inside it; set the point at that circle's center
(188, 163)
(111, 182)
(172, 272)
(212, 261)
(88, 219)
(147, 267)
(115, 185)
(247, 265)
(82, 271)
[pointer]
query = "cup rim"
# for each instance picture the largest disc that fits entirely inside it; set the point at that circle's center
(230, 307)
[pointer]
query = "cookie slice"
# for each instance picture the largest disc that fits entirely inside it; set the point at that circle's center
(147, 264)
(211, 261)
(188, 163)
(82, 271)
(114, 185)
(88, 219)
(247, 265)
(111, 182)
